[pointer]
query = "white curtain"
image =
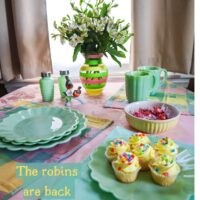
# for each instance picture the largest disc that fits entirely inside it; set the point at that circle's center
(164, 34)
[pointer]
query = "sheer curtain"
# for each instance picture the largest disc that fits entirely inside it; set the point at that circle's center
(164, 34)
(24, 42)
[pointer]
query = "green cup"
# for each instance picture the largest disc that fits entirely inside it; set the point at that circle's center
(157, 72)
(139, 85)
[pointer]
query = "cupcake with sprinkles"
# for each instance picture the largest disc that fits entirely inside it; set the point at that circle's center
(138, 139)
(164, 169)
(145, 154)
(116, 147)
(166, 146)
(126, 167)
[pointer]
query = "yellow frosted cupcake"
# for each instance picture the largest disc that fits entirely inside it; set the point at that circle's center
(166, 146)
(126, 167)
(145, 154)
(116, 147)
(164, 169)
(138, 139)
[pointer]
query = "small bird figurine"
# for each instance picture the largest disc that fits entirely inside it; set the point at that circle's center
(71, 94)
(68, 83)
(77, 92)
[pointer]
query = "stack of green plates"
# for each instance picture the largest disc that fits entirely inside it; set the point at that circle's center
(40, 128)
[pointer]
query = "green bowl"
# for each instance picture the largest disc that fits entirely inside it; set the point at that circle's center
(151, 126)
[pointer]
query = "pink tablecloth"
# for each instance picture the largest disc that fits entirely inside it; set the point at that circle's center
(184, 131)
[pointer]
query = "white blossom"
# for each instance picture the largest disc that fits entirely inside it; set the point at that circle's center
(83, 28)
(95, 11)
(75, 39)
(120, 40)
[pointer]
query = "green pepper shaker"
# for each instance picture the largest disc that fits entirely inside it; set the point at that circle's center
(47, 87)
(61, 82)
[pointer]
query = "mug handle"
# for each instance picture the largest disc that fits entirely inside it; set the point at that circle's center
(154, 82)
(165, 77)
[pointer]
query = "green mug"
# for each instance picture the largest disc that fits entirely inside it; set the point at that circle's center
(139, 85)
(157, 72)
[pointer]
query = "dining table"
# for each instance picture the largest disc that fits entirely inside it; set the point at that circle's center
(94, 105)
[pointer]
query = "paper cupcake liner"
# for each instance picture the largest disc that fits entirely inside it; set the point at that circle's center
(144, 164)
(110, 158)
(126, 177)
(163, 180)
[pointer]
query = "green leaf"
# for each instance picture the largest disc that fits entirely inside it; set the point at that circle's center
(68, 17)
(55, 24)
(90, 14)
(76, 52)
(115, 5)
(85, 11)
(116, 60)
(64, 19)
(114, 45)
(77, 10)
(90, 5)
(72, 5)
(122, 47)
(116, 52)
(105, 54)
(53, 36)
(127, 38)
(81, 1)
(119, 21)
(104, 10)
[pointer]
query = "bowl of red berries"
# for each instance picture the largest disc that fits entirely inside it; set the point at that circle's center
(152, 117)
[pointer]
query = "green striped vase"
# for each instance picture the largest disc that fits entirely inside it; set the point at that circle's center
(94, 74)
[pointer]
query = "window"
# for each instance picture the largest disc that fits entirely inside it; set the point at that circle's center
(62, 54)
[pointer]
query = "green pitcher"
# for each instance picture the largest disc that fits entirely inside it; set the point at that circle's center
(157, 72)
(139, 85)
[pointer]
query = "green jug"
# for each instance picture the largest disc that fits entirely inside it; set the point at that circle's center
(139, 85)
(157, 72)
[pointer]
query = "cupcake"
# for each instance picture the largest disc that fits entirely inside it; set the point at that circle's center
(166, 146)
(126, 167)
(138, 139)
(164, 169)
(116, 148)
(145, 154)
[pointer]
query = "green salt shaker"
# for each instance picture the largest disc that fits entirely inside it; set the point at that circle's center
(61, 82)
(47, 87)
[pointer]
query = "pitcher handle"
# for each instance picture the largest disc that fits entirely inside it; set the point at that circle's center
(154, 82)
(163, 81)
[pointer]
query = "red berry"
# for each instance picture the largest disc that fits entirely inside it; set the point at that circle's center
(161, 116)
(155, 113)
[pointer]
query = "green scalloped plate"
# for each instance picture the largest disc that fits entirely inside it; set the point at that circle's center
(80, 127)
(143, 187)
(39, 142)
(38, 124)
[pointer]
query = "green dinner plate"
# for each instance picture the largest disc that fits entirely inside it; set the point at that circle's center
(39, 142)
(143, 187)
(80, 127)
(38, 124)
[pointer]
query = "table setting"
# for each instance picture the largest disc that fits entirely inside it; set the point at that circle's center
(52, 146)
(133, 138)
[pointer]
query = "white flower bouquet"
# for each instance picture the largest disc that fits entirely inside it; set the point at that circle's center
(92, 30)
